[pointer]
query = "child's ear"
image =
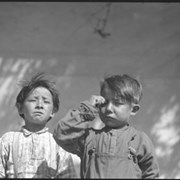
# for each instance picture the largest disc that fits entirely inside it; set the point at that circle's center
(19, 107)
(135, 109)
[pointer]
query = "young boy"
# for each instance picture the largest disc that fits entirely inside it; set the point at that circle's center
(32, 152)
(117, 150)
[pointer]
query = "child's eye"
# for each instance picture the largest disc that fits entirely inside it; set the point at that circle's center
(47, 102)
(31, 100)
(118, 103)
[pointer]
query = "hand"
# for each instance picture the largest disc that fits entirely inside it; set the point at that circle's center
(96, 101)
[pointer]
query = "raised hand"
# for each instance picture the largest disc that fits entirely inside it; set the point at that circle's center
(96, 101)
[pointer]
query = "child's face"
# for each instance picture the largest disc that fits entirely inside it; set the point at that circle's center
(114, 113)
(38, 107)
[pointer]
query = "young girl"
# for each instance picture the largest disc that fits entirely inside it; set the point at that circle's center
(117, 150)
(32, 152)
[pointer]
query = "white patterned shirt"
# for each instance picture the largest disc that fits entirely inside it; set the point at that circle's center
(37, 156)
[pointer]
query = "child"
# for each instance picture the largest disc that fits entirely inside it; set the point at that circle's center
(117, 150)
(32, 152)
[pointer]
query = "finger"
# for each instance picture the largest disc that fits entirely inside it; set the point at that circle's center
(102, 100)
(99, 101)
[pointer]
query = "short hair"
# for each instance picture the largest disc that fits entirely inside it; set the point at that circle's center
(38, 80)
(124, 86)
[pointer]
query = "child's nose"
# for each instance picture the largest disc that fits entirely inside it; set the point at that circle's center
(40, 103)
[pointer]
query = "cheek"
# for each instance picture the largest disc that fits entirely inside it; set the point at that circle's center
(26, 109)
(122, 113)
(26, 112)
(49, 109)
(118, 111)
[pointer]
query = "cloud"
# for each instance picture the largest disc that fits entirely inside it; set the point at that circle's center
(66, 77)
(5, 88)
(166, 131)
(25, 65)
(12, 70)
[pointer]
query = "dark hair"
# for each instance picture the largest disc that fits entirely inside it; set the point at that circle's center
(37, 81)
(124, 87)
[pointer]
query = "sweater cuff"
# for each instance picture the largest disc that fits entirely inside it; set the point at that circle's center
(88, 112)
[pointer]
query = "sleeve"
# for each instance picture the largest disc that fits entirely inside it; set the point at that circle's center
(2, 169)
(66, 168)
(4, 149)
(71, 130)
(147, 159)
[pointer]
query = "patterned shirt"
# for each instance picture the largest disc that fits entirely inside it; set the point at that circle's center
(37, 156)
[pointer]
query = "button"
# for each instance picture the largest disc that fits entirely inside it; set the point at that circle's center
(91, 151)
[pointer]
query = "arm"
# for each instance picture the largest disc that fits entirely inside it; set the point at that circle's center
(4, 153)
(71, 129)
(147, 159)
(2, 169)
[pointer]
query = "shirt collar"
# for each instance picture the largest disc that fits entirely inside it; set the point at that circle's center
(28, 133)
(114, 131)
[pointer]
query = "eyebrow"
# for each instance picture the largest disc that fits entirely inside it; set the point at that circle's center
(44, 97)
(121, 100)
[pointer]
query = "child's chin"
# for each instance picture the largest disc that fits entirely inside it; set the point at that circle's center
(110, 124)
(113, 125)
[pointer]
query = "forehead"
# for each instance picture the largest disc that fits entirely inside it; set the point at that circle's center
(110, 94)
(40, 91)
(107, 93)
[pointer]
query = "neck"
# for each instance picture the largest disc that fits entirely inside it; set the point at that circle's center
(119, 127)
(34, 127)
